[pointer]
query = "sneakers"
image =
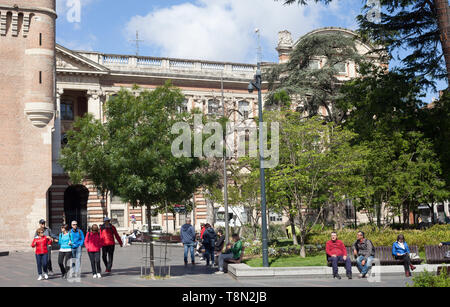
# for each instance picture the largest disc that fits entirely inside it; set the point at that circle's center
(39, 277)
(64, 276)
(94, 275)
(50, 272)
(219, 272)
(98, 275)
(45, 276)
(349, 276)
(337, 276)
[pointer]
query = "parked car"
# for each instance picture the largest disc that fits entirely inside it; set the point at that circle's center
(156, 229)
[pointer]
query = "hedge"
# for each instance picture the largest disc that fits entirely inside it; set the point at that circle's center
(385, 237)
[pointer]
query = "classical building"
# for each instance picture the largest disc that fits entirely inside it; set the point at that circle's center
(45, 86)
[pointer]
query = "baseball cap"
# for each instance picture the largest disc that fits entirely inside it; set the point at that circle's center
(42, 221)
(106, 219)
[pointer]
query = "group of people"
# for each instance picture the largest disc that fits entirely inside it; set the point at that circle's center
(98, 239)
(212, 243)
(364, 252)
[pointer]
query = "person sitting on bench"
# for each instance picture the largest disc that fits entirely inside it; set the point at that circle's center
(400, 250)
(336, 252)
(231, 252)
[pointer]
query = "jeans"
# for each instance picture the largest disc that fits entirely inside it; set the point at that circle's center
(189, 247)
(335, 261)
(364, 269)
(63, 258)
(76, 254)
(209, 254)
(108, 256)
(222, 259)
(41, 261)
(95, 262)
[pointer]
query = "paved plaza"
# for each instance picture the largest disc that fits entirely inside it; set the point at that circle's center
(19, 270)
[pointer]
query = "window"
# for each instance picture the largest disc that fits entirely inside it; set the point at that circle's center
(66, 110)
(181, 219)
(117, 218)
(213, 107)
(40, 77)
(313, 64)
(184, 107)
(40, 39)
(341, 68)
(244, 108)
(275, 217)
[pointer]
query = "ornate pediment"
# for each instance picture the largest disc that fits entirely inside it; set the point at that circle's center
(72, 62)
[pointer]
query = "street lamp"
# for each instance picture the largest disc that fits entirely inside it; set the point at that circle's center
(257, 84)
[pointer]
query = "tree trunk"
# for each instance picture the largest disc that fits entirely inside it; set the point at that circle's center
(442, 14)
(302, 244)
(294, 234)
(209, 212)
(152, 256)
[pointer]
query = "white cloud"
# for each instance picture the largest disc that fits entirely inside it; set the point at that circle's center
(222, 29)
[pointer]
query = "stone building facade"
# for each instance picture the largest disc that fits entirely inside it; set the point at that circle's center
(45, 86)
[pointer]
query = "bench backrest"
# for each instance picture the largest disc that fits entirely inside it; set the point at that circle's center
(435, 254)
(384, 253)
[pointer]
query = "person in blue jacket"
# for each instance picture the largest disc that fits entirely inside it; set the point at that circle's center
(187, 234)
(400, 250)
(65, 250)
(76, 243)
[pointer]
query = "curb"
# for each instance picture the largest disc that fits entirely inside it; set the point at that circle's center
(243, 271)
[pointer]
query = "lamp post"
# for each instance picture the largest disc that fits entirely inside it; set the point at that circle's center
(257, 83)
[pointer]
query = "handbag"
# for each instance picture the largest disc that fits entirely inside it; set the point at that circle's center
(414, 256)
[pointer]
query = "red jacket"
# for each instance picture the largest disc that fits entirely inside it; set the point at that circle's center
(336, 248)
(41, 244)
(202, 232)
(93, 242)
(108, 235)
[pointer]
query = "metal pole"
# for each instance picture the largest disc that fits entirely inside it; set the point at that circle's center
(225, 182)
(265, 250)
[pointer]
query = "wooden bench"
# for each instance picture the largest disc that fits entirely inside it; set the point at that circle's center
(435, 254)
(227, 261)
(383, 253)
(342, 263)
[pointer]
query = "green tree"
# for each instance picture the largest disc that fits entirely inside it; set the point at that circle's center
(302, 80)
(420, 26)
(142, 169)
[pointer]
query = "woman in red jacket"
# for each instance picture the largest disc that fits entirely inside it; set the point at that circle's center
(94, 243)
(41, 244)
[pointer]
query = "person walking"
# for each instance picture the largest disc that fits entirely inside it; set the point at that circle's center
(400, 250)
(187, 234)
(108, 232)
(209, 238)
(364, 250)
(41, 244)
(94, 243)
(336, 252)
(76, 243)
(48, 233)
(232, 252)
(65, 250)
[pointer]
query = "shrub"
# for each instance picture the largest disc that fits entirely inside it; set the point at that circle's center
(385, 237)
(428, 279)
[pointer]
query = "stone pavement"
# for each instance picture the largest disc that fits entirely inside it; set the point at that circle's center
(19, 269)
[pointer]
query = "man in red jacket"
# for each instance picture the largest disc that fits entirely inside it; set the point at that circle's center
(336, 252)
(108, 232)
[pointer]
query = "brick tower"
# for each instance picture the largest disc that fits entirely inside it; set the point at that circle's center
(27, 104)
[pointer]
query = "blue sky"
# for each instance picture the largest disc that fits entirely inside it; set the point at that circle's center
(221, 30)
